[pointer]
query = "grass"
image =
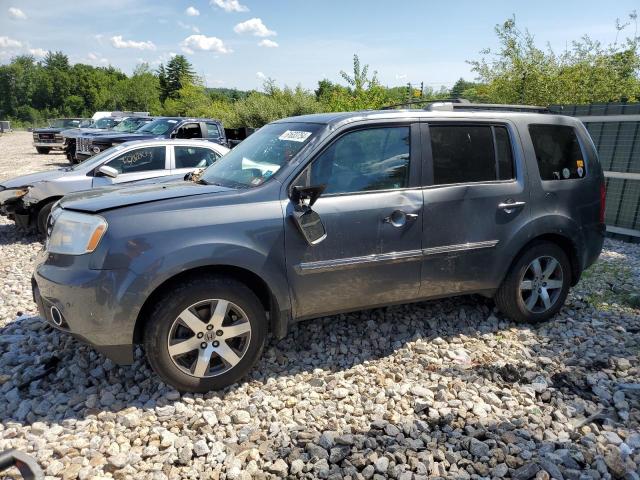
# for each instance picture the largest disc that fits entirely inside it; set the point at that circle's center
(603, 284)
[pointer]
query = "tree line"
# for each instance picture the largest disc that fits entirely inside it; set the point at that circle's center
(518, 72)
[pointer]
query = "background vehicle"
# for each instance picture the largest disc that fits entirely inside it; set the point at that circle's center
(47, 139)
(162, 127)
(104, 124)
(321, 214)
(29, 199)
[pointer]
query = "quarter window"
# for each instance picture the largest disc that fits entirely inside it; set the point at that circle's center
(140, 160)
(362, 160)
(213, 132)
(470, 153)
(557, 151)
(194, 157)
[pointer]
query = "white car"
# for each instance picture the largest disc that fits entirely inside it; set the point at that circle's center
(28, 199)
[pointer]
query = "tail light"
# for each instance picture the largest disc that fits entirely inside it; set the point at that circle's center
(603, 200)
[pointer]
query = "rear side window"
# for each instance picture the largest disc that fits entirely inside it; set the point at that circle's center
(189, 130)
(557, 151)
(470, 153)
(194, 157)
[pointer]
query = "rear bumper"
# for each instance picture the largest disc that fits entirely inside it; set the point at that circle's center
(87, 305)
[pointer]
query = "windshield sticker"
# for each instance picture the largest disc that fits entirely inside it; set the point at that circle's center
(566, 173)
(294, 136)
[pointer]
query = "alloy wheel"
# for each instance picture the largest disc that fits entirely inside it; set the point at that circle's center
(541, 284)
(209, 338)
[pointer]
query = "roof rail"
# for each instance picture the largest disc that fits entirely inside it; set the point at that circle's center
(479, 107)
(428, 102)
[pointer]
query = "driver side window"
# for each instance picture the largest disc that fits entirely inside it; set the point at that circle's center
(189, 130)
(363, 160)
(140, 160)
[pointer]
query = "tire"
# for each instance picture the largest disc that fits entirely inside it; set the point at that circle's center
(201, 296)
(43, 215)
(43, 150)
(528, 304)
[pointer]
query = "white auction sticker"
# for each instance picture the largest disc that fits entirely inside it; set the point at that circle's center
(294, 136)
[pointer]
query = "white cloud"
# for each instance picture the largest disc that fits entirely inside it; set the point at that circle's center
(254, 26)
(17, 14)
(186, 26)
(192, 12)
(38, 52)
(268, 43)
(119, 42)
(229, 5)
(204, 43)
(6, 42)
(96, 58)
(261, 75)
(401, 76)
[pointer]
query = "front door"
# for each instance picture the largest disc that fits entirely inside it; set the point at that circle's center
(474, 202)
(136, 164)
(371, 213)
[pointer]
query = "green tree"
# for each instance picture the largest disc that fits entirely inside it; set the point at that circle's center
(178, 73)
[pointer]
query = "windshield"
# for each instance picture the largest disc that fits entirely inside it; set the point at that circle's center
(65, 123)
(104, 122)
(260, 156)
(96, 160)
(159, 126)
(129, 125)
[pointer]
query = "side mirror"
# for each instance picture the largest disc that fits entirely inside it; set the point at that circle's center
(310, 225)
(173, 135)
(107, 171)
(308, 222)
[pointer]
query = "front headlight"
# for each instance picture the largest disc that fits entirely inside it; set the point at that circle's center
(76, 233)
(12, 193)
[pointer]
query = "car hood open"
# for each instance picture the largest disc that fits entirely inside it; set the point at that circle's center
(107, 198)
(33, 178)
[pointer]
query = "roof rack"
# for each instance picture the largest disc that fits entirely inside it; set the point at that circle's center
(464, 105)
(428, 102)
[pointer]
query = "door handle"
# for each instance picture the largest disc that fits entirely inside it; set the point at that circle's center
(398, 218)
(510, 206)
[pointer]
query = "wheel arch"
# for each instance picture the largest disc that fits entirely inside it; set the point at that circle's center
(277, 324)
(564, 242)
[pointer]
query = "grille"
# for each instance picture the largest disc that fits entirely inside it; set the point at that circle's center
(83, 145)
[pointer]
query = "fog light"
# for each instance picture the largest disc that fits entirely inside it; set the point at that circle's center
(96, 149)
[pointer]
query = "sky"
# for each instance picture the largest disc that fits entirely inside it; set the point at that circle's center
(239, 43)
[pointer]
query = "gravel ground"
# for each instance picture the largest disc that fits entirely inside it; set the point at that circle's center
(18, 156)
(446, 389)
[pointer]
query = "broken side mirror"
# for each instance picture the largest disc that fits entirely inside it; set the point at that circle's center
(308, 222)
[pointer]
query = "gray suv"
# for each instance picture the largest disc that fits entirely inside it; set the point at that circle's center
(321, 214)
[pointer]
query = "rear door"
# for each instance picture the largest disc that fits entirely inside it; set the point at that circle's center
(474, 202)
(371, 212)
(137, 164)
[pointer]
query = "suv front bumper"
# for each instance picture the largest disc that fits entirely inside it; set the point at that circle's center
(84, 303)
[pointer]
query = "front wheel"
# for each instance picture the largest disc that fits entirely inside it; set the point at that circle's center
(43, 216)
(537, 285)
(205, 334)
(43, 150)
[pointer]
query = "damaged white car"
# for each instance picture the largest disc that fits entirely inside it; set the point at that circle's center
(28, 199)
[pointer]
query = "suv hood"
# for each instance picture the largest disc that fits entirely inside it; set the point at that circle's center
(48, 130)
(33, 178)
(124, 137)
(107, 198)
(76, 132)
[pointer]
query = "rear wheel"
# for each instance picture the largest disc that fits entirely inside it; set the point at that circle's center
(43, 150)
(537, 285)
(205, 334)
(43, 215)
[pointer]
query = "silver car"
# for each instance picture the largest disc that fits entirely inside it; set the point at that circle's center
(28, 199)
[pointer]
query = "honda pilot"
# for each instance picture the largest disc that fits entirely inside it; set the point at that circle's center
(321, 214)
